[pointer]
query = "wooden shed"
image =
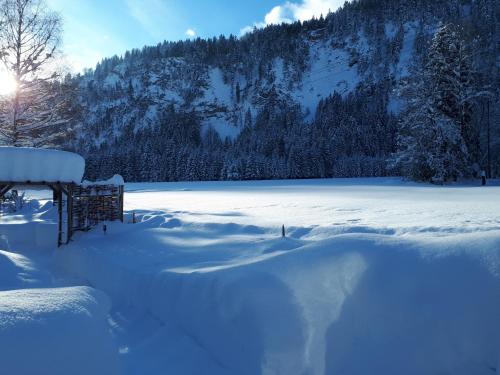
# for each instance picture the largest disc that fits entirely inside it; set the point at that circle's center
(80, 206)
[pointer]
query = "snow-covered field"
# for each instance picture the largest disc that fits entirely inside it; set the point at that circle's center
(375, 276)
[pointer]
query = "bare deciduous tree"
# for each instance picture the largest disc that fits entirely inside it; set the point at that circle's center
(30, 38)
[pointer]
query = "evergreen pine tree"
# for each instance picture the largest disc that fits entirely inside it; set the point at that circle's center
(431, 144)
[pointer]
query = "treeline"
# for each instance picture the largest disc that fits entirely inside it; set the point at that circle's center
(349, 137)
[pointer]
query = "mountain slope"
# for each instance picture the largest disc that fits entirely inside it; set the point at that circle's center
(270, 83)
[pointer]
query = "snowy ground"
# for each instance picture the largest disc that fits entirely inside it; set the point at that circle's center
(375, 276)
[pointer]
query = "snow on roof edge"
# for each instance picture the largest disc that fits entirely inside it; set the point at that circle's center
(23, 164)
(116, 180)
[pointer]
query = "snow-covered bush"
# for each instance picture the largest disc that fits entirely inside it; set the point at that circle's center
(13, 201)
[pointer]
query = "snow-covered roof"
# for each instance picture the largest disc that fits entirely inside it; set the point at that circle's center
(21, 164)
(116, 180)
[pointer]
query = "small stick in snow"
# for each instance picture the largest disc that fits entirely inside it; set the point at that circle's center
(283, 233)
(483, 178)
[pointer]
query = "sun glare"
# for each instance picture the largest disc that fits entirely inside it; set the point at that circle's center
(8, 84)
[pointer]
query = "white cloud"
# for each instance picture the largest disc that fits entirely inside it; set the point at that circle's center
(246, 30)
(315, 8)
(280, 14)
(296, 11)
(191, 33)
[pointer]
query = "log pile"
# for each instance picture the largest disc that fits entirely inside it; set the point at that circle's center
(94, 204)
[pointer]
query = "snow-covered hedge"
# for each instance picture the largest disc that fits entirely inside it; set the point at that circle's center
(55, 331)
(20, 164)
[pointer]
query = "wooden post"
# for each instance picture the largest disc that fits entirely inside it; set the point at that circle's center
(54, 197)
(122, 195)
(69, 209)
(4, 189)
(59, 211)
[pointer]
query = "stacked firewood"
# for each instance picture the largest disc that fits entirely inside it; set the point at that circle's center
(94, 204)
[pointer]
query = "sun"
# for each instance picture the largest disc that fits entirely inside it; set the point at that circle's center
(8, 84)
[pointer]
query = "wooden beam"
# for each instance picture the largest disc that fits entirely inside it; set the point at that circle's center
(65, 188)
(69, 213)
(35, 183)
(4, 189)
(59, 211)
(122, 194)
(55, 193)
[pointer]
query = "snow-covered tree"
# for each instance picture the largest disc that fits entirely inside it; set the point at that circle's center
(29, 43)
(431, 147)
(436, 127)
(452, 79)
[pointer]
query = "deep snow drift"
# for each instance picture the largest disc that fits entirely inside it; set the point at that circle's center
(46, 325)
(55, 331)
(375, 276)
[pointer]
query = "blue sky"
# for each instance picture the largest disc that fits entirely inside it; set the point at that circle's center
(94, 29)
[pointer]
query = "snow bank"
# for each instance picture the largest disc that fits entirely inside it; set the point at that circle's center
(55, 331)
(47, 330)
(18, 164)
(18, 271)
(26, 235)
(354, 304)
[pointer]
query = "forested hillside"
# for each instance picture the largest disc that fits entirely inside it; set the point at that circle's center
(327, 97)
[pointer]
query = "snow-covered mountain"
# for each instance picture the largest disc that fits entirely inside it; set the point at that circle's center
(236, 94)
